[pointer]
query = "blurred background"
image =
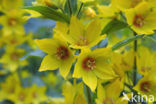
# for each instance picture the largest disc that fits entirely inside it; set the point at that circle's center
(20, 58)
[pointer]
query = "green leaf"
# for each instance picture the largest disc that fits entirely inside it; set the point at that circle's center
(151, 38)
(113, 26)
(49, 13)
(125, 42)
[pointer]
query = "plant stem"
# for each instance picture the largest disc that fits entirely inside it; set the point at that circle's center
(88, 95)
(78, 14)
(135, 63)
(69, 6)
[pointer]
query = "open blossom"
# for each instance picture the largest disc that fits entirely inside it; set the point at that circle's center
(93, 65)
(59, 55)
(81, 37)
(142, 18)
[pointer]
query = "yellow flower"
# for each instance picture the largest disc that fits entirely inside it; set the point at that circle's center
(11, 59)
(141, 19)
(93, 65)
(122, 64)
(37, 94)
(14, 39)
(73, 94)
(9, 87)
(12, 22)
(145, 60)
(128, 4)
(147, 84)
(107, 96)
(7, 5)
(59, 55)
(124, 61)
(79, 37)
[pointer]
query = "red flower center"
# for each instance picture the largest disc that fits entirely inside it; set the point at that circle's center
(14, 56)
(62, 52)
(12, 21)
(145, 86)
(138, 21)
(89, 63)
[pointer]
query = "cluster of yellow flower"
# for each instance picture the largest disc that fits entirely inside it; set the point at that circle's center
(12, 35)
(110, 72)
(13, 91)
(90, 46)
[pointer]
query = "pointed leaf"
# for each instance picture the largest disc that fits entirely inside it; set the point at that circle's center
(49, 13)
(125, 42)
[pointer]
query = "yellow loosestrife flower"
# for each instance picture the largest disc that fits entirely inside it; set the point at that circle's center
(11, 59)
(145, 60)
(126, 4)
(147, 84)
(142, 18)
(12, 22)
(59, 55)
(80, 37)
(7, 5)
(110, 94)
(129, 4)
(93, 65)
(73, 94)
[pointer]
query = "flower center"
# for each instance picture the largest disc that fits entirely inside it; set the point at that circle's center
(144, 69)
(108, 101)
(82, 41)
(14, 56)
(12, 21)
(22, 96)
(13, 41)
(89, 63)
(35, 94)
(138, 21)
(145, 86)
(62, 52)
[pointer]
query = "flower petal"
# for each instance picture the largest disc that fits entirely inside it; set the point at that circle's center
(90, 80)
(49, 63)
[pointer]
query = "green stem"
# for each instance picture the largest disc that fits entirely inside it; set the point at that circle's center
(135, 63)
(88, 95)
(78, 14)
(69, 6)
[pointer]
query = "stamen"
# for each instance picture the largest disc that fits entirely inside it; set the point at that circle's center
(14, 56)
(83, 41)
(12, 21)
(138, 21)
(62, 52)
(89, 63)
(145, 86)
